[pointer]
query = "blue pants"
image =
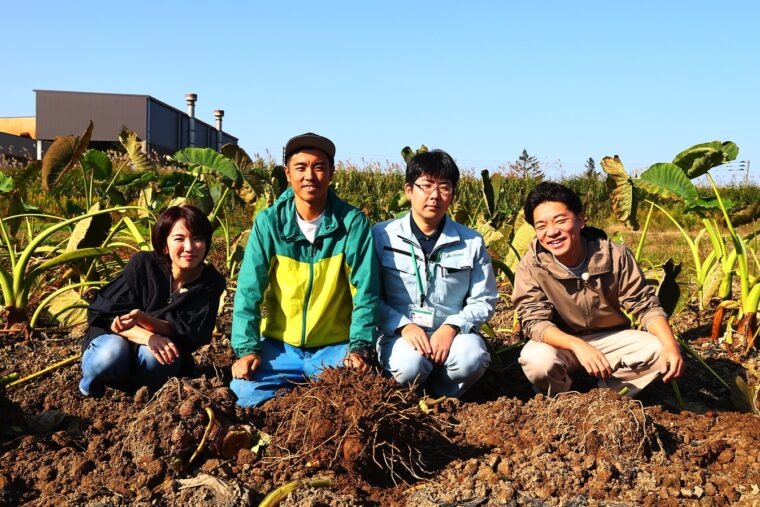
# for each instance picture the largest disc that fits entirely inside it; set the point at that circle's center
(467, 361)
(281, 366)
(110, 360)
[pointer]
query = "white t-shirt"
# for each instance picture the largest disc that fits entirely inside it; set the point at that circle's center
(309, 228)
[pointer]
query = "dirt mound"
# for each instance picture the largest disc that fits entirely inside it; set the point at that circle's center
(171, 425)
(364, 424)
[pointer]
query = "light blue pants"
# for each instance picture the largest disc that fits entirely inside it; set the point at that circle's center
(110, 360)
(281, 366)
(467, 362)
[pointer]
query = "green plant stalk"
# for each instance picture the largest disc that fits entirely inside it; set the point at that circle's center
(219, 203)
(677, 393)
(644, 231)
(45, 370)
(8, 379)
(55, 294)
(693, 353)
(689, 241)
(739, 245)
(511, 347)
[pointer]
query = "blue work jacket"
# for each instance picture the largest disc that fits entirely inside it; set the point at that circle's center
(457, 277)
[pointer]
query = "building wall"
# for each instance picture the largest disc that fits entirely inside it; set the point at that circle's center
(64, 113)
(17, 146)
(165, 128)
(19, 126)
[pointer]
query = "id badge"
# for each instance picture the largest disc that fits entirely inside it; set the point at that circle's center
(423, 316)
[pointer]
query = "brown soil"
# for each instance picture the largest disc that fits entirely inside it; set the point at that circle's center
(499, 446)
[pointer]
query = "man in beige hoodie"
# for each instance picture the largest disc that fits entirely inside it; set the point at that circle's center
(574, 290)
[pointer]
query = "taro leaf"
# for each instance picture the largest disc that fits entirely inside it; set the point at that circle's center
(278, 180)
(238, 246)
(497, 240)
(116, 197)
(90, 231)
(68, 308)
(496, 182)
(397, 203)
(15, 206)
(407, 154)
(246, 192)
(668, 181)
(700, 158)
(746, 215)
(520, 243)
(261, 204)
(133, 145)
(488, 192)
(146, 202)
(707, 204)
(622, 192)
(237, 155)
(62, 156)
(6, 183)
(98, 163)
(669, 291)
(208, 160)
(711, 284)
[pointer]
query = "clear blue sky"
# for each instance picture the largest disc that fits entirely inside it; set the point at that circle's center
(482, 80)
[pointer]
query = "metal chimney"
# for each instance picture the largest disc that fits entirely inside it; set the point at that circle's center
(191, 98)
(219, 114)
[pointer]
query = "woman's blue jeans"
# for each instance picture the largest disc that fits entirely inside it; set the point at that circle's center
(282, 366)
(110, 360)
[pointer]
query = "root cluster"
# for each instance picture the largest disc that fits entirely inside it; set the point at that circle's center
(362, 423)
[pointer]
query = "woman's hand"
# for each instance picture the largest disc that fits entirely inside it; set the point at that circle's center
(244, 367)
(127, 321)
(164, 350)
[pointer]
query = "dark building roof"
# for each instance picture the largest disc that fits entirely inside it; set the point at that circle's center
(163, 127)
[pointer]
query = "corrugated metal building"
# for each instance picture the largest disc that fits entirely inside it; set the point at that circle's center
(164, 128)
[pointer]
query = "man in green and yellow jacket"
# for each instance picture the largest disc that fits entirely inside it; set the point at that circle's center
(314, 253)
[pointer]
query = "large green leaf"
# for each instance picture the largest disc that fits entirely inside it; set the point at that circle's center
(98, 163)
(82, 253)
(133, 145)
(208, 161)
(62, 156)
(407, 152)
(238, 246)
(6, 183)
(622, 192)
(667, 181)
(90, 231)
(238, 156)
(669, 292)
(700, 158)
(278, 180)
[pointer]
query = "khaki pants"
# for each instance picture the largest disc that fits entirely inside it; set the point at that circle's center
(632, 355)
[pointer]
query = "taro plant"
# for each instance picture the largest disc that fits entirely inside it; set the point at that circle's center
(673, 181)
(28, 264)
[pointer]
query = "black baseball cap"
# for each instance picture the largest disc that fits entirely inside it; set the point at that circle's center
(306, 141)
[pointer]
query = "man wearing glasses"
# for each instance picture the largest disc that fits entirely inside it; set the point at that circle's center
(438, 286)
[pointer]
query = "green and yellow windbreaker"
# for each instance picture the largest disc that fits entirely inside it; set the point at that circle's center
(319, 294)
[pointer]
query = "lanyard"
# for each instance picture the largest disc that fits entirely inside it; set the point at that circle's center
(417, 274)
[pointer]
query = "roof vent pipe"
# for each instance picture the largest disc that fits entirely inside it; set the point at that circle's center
(191, 98)
(218, 114)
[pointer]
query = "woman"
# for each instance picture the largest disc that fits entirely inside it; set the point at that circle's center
(145, 324)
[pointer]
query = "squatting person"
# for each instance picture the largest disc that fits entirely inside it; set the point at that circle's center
(313, 252)
(573, 289)
(145, 324)
(438, 285)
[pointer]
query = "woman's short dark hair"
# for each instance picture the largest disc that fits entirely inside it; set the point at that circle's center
(193, 218)
(549, 191)
(435, 163)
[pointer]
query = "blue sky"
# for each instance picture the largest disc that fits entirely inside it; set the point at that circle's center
(480, 79)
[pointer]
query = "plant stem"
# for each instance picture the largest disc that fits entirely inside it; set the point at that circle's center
(46, 370)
